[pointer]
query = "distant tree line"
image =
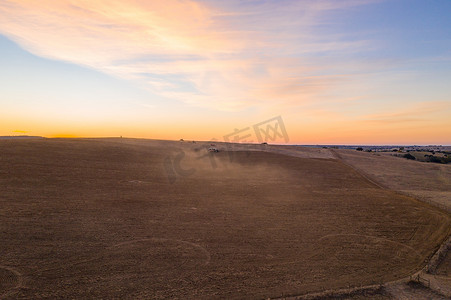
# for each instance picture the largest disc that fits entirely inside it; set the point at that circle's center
(438, 159)
(445, 159)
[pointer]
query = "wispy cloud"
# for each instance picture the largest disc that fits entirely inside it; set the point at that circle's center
(226, 56)
(415, 113)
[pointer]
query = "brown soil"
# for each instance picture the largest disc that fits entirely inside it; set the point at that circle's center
(430, 182)
(100, 218)
(444, 269)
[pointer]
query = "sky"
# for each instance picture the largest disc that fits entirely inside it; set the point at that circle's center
(336, 72)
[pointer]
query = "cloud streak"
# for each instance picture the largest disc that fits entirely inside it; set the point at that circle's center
(417, 113)
(221, 55)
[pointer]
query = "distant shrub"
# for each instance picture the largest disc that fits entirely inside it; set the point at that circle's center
(437, 159)
(359, 149)
(409, 156)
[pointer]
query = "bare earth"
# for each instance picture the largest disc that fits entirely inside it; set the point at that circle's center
(430, 182)
(124, 218)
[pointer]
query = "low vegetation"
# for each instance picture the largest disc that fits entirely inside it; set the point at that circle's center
(438, 159)
(409, 156)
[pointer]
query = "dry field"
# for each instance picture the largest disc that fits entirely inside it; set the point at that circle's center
(430, 182)
(101, 218)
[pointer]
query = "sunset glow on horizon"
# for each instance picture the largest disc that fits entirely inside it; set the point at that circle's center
(338, 72)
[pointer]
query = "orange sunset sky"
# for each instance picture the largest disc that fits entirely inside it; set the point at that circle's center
(337, 72)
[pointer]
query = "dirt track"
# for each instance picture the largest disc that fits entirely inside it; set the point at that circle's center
(86, 218)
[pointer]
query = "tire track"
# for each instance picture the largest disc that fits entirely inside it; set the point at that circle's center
(19, 283)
